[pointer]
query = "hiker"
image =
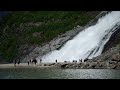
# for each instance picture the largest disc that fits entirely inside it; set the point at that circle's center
(18, 61)
(56, 60)
(15, 63)
(40, 60)
(74, 61)
(65, 61)
(28, 62)
(80, 60)
(34, 60)
(85, 59)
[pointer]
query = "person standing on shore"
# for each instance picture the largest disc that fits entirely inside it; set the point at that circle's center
(28, 62)
(34, 61)
(40, 60)
(18, 62)
(56, 60)
(15, 63)
(80, 60)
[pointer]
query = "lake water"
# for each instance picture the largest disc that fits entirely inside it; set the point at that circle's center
(52, 73)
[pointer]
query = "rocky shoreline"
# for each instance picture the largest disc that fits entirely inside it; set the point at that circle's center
(113, 64)
(93, 65)
(89, 64)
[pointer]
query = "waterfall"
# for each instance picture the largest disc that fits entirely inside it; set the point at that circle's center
(89, 42)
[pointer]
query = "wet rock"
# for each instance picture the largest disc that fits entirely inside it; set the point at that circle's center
(67, 66)
(85, 66)
(113, 62)
(64, 65)
(116, 57)
(93, 66)
(113, 41)
(52, 64)
(44, 64)
(115, 66)
(118, 66)
(109, 55)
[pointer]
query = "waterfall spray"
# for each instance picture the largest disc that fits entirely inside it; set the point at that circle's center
(89, 42)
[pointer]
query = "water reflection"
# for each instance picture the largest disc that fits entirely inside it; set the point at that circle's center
(50, 73)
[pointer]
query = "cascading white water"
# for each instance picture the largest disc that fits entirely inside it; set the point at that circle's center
(88, 43)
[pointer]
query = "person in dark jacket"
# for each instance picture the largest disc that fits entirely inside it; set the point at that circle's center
(18, 61)
(34, 61)
(40, 60)
(28, 62)
(15, 61)
(56, 60)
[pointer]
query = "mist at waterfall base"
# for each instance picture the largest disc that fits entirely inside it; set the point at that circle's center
(88, 43)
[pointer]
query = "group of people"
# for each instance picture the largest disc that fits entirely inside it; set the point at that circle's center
(32, 61)
(35, 61)
(75, 61)
(16, 62)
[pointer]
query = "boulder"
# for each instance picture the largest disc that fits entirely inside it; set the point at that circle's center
(115, 66)
(64, 65)
(116, 57)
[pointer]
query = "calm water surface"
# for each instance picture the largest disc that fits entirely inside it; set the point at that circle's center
(52, 73)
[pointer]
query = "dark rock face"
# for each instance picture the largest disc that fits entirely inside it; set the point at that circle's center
(116, 57)
(108, 55)
(113, 41)
(25, 50)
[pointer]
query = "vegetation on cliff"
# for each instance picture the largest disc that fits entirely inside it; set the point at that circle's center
(22, 29)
